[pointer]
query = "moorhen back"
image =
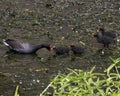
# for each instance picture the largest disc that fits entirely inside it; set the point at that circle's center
(107, 33)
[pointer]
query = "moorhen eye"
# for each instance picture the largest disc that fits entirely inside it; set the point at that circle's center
(23, 47)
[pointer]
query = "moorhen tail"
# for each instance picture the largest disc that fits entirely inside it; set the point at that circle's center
(77, 49)
(23, 47)
(105, 40)
(61, 50)
(107, 33)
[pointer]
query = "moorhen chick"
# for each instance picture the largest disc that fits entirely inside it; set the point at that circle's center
(77, 49)
(107, 33)
(60, 50)
(103, 39)
(23, 47)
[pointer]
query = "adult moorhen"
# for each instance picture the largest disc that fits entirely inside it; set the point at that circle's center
(107, 33)
(77, 49)
(60, 50)
(23, 47)
(103, 39)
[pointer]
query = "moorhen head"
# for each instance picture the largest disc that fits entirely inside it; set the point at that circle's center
(107, 33)
(103, 39)
(60, 50)
(77, 49)
(23, 47)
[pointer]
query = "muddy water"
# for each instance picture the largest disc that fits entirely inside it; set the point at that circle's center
(60, 23)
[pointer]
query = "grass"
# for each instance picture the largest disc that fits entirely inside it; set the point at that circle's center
(16, 91)
(81, 83)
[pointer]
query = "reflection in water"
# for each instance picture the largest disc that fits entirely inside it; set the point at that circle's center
(29, 71)
(11, 55)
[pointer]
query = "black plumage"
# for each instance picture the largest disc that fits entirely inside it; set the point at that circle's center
(60, 50)
(103, 39)
(77, 49)
(108, 33)
(23, 47)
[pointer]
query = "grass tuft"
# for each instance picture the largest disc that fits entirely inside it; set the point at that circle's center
(16, 91)
(82, 83)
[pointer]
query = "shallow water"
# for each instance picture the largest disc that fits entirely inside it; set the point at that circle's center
(59, 22)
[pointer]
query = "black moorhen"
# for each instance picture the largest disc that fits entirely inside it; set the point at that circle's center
(107, 33)
(23, 47)
(77, 49)
(103, 39)
(60, 50)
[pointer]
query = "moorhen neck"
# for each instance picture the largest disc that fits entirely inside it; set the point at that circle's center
(107, 33)
(105, 40)
(22, 47)
(61, 50)
(77, 49)
(47, 46)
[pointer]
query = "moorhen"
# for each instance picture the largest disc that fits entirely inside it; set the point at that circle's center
(77, 49)
(103, 39)
(107, 33)
(60, 50)
(23, 47)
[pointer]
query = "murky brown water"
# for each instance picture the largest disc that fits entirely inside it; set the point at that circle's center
(59, 22)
